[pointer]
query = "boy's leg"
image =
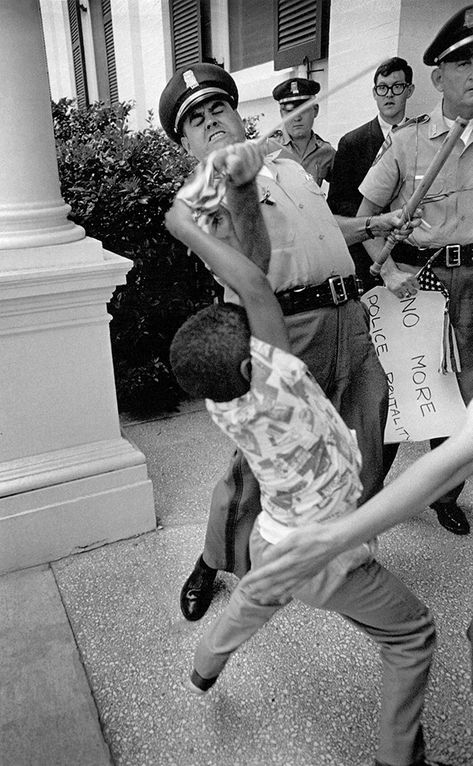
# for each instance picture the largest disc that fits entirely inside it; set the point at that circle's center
(240, 620)
(381, 606)
(236, 624)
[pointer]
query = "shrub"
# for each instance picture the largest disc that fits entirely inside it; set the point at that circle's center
(119, 184)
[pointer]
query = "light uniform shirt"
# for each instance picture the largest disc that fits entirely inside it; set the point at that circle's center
(305, 458)
(401, 166)
(307, 245)
(317, 158)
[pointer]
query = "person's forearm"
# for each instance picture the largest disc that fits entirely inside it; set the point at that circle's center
(430, 477)
(244, 207)
(223, 259)
(374, 247)
(304, 552)
(356, 230)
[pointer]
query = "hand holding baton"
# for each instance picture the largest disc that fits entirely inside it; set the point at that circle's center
(430, 174)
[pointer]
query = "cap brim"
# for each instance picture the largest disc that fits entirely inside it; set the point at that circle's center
(196, 98)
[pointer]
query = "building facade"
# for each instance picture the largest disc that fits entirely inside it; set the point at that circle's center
(112, 50)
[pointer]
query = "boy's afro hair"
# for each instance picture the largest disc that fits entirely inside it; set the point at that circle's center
(207, 351)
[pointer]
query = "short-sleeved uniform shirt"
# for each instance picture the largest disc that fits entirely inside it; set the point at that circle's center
(401, 166)
(307, 245)
(317, 158)
(305, 458)
(447, 209)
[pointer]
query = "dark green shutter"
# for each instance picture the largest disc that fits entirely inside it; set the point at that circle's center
(78, 54)
(297, 32)
(110, 51)
(185, 32)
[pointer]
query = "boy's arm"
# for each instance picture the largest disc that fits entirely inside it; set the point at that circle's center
(264, 313)
(305, 552)
(241, 163)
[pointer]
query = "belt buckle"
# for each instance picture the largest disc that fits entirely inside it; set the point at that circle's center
(338, 290)
(453, 255)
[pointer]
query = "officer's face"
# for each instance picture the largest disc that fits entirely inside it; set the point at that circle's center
(392, 108)
(301, 126)
(211, 125)
(455, 80)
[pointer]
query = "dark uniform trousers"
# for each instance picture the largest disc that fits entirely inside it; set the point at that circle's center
(335, 345)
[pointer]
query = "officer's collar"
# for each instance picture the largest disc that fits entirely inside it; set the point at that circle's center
(287, 140)
(437, 125)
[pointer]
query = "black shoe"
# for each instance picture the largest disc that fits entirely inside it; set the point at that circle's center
(452, 517)
(197, 591)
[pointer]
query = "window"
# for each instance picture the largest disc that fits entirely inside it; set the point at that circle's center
(93, 51)
(111, 68)
(190, 32)
(78, 57)
(300, 31)
(251, 33)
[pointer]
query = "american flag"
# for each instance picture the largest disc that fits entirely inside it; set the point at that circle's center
(428, 280)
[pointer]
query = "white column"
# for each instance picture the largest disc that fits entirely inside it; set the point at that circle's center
(68, 480)
(32, 211)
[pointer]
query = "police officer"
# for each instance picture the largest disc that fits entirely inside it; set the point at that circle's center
(298, 139)
(312, 274)
(447, 207)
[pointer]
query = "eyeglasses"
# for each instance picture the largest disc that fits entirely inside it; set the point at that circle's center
(396, 89)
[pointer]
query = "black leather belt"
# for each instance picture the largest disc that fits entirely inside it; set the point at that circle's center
(450, 256)
(333, 292)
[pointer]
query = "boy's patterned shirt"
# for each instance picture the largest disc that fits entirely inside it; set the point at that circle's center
(304, 457)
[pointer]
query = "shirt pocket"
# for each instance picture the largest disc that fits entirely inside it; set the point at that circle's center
(435, 203)
(279, 220)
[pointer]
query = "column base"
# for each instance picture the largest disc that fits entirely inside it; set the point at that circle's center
(46, 523)
(68, 480)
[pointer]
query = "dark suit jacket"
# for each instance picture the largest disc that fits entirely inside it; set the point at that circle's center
(355, 154)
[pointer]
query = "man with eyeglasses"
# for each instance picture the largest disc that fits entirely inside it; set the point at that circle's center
(358, 148)
(298, 140)
(448, 220)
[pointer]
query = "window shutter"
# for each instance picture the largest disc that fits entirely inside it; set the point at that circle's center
(297, 32)
(110, 51)
(185, 32)
(78, 54)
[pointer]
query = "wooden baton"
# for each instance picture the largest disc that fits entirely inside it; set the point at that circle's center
(429, 177)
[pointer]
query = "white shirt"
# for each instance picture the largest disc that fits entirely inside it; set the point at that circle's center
(386, 127)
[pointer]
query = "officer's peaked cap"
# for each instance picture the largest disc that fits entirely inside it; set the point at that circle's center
(189, 86)
(297, 89)
(453, 40)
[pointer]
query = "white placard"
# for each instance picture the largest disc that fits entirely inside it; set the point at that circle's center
(407, 334)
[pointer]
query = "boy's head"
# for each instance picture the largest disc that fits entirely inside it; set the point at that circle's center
(210, 353)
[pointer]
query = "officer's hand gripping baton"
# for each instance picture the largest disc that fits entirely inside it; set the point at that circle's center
(429, 177)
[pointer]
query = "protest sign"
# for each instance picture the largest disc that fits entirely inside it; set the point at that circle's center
(407, 334)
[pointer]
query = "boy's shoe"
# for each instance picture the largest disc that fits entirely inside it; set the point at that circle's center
(197, 591)
(192, 688)
(199, 685)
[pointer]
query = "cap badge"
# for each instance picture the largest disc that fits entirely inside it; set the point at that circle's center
(468, 18)
(189, 79)
(294, 88)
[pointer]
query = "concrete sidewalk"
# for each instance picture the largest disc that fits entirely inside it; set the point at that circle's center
(94, 646)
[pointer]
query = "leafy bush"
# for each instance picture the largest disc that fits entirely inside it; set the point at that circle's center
(119, 185)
